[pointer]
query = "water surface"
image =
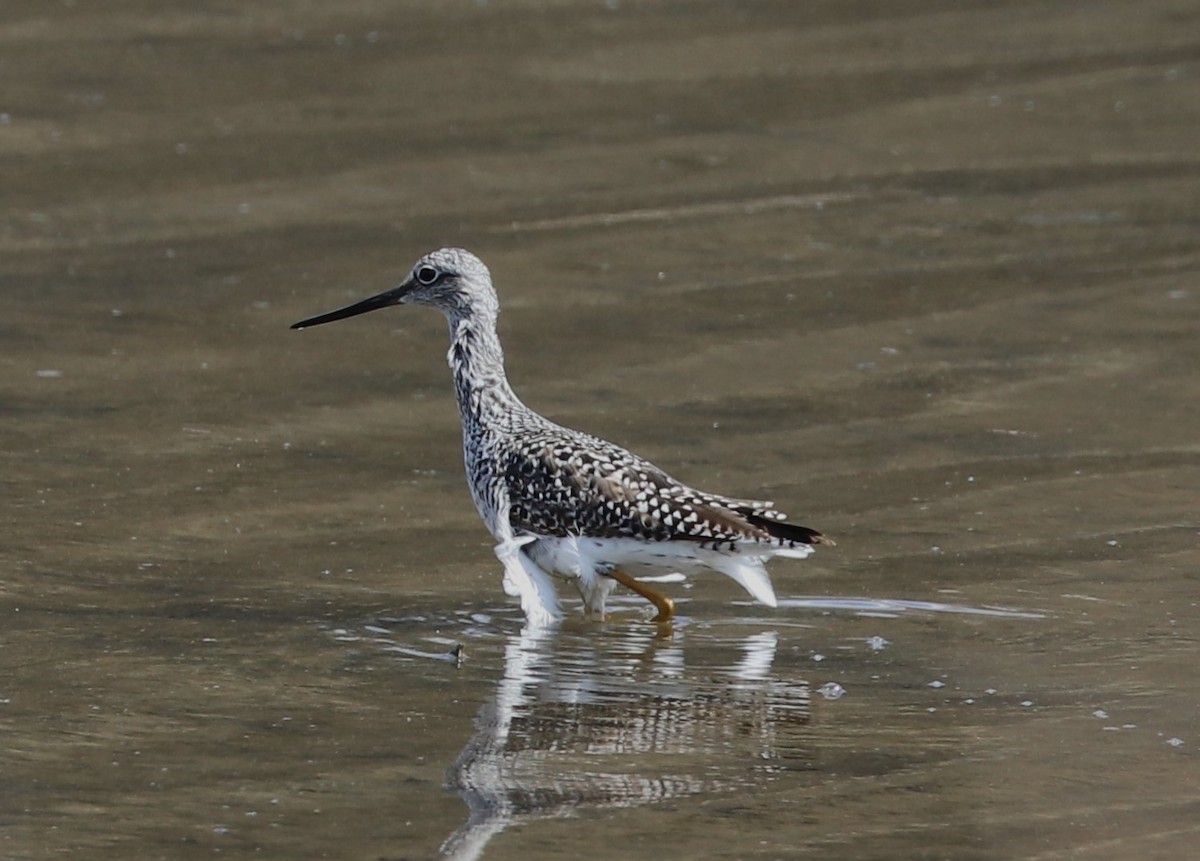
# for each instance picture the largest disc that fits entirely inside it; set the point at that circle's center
(925, 275)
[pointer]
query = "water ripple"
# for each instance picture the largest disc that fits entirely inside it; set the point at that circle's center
(893, 607)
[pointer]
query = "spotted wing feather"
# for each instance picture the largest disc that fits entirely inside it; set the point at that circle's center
(563, 483)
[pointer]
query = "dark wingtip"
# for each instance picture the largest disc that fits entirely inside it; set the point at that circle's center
(790, 531)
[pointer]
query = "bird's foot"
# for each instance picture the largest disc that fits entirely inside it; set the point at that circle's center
(665, 606)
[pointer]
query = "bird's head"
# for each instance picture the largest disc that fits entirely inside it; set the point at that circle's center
(453, 280)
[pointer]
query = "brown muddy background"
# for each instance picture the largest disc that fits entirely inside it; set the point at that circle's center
(926, 273)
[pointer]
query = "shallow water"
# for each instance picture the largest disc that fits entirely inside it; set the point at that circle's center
(926, 276)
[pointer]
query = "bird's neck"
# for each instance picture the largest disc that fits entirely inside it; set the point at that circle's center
(477, 361)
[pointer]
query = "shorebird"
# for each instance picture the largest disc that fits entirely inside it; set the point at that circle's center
(565, 504)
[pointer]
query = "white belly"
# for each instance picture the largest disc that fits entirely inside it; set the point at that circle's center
(577, 557)
(587, 560)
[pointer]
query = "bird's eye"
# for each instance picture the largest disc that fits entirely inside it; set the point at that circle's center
(427, 275)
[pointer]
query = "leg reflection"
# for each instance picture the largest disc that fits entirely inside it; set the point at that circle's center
(617, 720)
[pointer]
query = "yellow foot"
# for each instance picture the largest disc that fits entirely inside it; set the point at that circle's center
(666, 607)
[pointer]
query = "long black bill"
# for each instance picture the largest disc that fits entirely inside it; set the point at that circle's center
(383, 300)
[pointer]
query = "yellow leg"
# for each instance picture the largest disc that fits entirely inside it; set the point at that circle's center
(666, 607)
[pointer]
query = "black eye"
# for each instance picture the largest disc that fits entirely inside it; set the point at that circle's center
(427, 275)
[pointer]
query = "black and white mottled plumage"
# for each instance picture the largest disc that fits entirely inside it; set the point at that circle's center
(564, 503)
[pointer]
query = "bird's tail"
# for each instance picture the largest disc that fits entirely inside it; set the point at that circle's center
(787, 531)
(749, 573)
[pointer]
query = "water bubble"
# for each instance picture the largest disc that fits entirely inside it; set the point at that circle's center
(831, 691)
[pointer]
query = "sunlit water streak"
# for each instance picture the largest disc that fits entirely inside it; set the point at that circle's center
(893, 607)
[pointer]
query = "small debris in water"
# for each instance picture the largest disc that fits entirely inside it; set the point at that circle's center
(831, 691)
(49, 374)
(936, 684)
(1100, 713)
(1175, 741)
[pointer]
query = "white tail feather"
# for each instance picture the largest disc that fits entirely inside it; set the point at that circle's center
(750, 575)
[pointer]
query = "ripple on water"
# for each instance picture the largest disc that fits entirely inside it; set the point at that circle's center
(894, 607)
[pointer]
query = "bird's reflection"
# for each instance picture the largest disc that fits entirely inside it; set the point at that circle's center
(620, 720)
